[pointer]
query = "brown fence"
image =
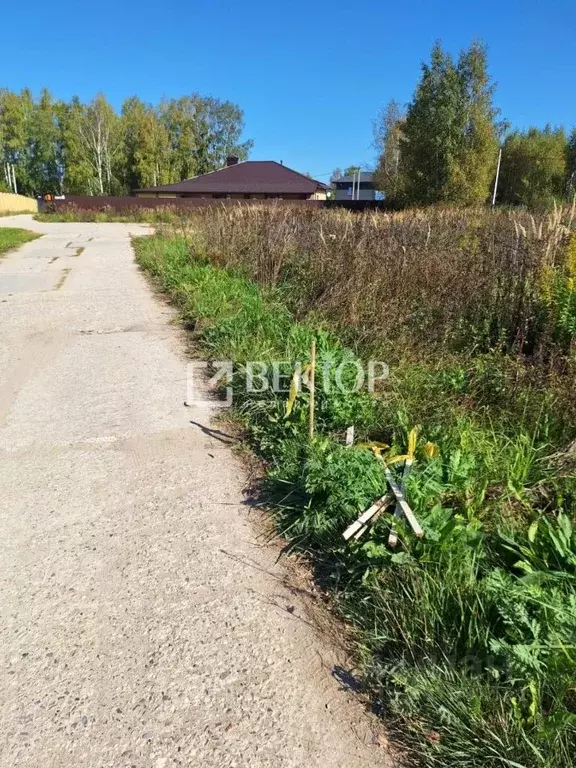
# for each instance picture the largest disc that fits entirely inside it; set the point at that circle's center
(126, 202)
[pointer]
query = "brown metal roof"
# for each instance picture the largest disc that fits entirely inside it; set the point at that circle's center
(249, 177)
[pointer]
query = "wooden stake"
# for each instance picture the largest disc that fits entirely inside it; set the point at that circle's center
(312, 386)
(365, 527)
(393, 537)
(367, 515)
(404, 506)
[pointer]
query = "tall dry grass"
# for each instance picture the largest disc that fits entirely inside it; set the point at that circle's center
(457, 277)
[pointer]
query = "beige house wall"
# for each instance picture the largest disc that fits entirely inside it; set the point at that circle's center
(10, 203)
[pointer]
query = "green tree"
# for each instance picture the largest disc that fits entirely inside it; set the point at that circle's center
(146, 146)
(201, 133)
(388, 132)
(31, 140)
(5, 180)
(45, 160)
(15, 126)
(534, 167)
(449, 141)
(90, 149)
(133, 114)
(78, 174)
(218, 126)
(94, 140)
(476, 160)
(177, 116)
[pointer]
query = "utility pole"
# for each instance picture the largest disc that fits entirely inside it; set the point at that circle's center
(356, 185)
(497, 177)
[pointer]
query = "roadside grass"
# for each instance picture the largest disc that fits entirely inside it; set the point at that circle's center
(467, 638)
(12, 238)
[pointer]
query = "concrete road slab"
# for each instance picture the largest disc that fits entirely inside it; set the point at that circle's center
(142, 622)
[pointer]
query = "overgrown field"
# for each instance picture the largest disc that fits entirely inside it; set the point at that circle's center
(466, 638)
(12, 238)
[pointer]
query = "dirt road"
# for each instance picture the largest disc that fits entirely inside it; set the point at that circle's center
(142, 622)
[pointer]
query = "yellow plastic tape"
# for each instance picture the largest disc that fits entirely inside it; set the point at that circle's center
(298, 376)
(376, 448)
(412, 437)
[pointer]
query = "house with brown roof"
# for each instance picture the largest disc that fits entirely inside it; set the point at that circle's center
(247, 180)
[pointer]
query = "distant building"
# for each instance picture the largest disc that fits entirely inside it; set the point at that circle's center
(346, 186)
(247, 180)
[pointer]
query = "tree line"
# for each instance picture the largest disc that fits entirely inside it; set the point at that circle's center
(443, 147)
(52, 146)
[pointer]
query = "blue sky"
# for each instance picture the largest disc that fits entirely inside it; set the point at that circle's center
(310, 74)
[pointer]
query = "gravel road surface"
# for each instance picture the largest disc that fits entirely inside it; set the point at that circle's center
(143, 622)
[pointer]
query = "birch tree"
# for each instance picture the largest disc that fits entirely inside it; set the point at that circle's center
(95, 142)
(387, 129)
(15, 124)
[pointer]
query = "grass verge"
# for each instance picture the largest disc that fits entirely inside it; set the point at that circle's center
(467, 637)
(12, 238)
